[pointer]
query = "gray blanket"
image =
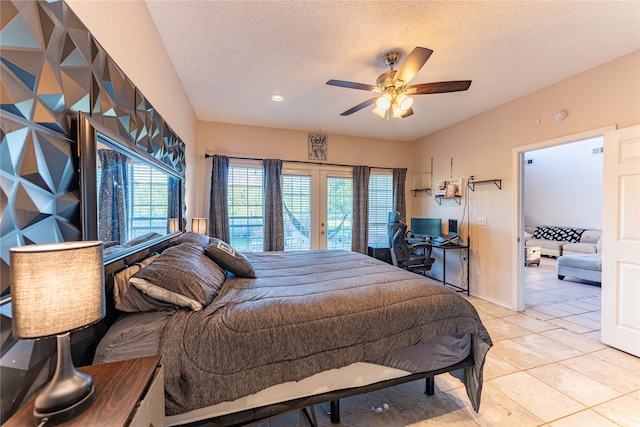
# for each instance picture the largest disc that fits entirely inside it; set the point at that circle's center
(307, 312)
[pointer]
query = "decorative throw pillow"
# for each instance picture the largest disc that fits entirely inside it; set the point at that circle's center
(183, 276)
(229, 259)
(558, 234)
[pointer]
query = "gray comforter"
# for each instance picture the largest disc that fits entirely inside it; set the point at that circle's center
(308, 312)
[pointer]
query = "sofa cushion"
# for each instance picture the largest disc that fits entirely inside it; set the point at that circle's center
(585, 262)
(558, 233)
(583, 248)
(590, 236)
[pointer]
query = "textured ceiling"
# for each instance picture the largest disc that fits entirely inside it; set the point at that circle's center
(232, 55)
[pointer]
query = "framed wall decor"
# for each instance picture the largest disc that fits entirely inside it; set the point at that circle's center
(317, 147)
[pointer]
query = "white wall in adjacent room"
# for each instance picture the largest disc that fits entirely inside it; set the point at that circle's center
(563, 185)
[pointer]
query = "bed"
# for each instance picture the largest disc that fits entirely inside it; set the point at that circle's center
(244, 337)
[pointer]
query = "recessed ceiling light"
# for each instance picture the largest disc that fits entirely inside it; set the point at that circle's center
(277, 98)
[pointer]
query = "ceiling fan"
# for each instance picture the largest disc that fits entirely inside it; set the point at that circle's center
(394, 98)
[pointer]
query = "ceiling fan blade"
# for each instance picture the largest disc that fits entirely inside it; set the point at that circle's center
(407, 113)
(359, 107)
(412, 64)
(439, 87)
(352, 85)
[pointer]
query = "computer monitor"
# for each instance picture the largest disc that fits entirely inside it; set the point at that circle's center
(429, 227)
(453, 227)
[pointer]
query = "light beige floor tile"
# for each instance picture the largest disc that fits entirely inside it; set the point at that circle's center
(584, 321)
(587, 418)
(588, 304)
(635, 395)
(537, 314)
(547, 347)
(495, 366)
(579, 387)
(542, 400)
(552, 312)
(595, 335)
(500, 329)
(570, 326)
(624, 410)
(361, 403)
(389, 418)
(529, 322)
(617, 378)
(580, 342)
(446, 382)
(619, 358)
(496, 409)
(403, 392)
(498, 311)
(593, 315)
(519, 355)
(437, 410)
(566, 307)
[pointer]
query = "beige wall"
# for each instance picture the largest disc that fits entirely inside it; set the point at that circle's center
(128, 35)
(483, 146)
(251, 141)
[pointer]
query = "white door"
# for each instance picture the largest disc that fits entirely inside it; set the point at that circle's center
(336, 206)
(621, 240)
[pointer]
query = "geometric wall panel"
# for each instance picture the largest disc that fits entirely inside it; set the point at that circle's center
(51, 67)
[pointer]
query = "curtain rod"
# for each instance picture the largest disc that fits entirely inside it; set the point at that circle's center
(206, 156)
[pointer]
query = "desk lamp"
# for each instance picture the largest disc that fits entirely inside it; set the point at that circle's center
(55, 289)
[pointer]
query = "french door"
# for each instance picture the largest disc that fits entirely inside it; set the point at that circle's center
(317, 209)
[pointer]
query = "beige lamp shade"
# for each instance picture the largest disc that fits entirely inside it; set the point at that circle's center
(199, 225)
(56, 288)
(173, 225)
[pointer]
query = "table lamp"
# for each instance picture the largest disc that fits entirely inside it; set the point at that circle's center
(199, 225)
(173, 225)
(55, 289)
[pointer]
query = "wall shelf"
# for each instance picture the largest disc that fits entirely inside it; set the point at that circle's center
(456, 198)
(472, 184)
(420, 190)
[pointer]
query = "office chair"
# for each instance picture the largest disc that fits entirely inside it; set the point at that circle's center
(416, 258)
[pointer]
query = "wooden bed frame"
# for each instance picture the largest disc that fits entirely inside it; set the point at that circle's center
(253, 415)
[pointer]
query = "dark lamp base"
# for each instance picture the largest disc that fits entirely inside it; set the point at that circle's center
(65, 414)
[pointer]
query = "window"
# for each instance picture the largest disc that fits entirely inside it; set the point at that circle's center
(296, 200)
(380, 204)
(148, 200)
(246, 221)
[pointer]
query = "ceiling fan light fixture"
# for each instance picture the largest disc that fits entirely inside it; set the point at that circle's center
(378, 112)
(384, 102)
(404, 102)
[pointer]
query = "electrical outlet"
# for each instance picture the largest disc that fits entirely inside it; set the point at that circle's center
(481, 220)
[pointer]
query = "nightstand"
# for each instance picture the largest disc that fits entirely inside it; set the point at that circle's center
(128, 393)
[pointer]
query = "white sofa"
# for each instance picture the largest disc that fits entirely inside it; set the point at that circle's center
(557, 241)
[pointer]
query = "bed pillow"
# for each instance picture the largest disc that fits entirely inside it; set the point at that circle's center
(128, 298)
(183, 276)
(229, 259)
(191, 237)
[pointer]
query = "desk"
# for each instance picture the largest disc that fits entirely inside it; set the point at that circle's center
(445, 249)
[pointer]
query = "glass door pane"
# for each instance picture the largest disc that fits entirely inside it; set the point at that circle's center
(339, 207)
(296, 198)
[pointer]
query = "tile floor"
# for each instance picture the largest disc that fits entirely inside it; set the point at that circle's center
(547, 368)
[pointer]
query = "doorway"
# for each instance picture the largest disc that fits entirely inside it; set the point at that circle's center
(520, 163)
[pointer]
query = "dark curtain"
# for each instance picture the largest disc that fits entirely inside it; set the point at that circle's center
(173, 201)
(218, 203)
(273, 213)
(360, 217)
(112, 199)
(399, 200)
